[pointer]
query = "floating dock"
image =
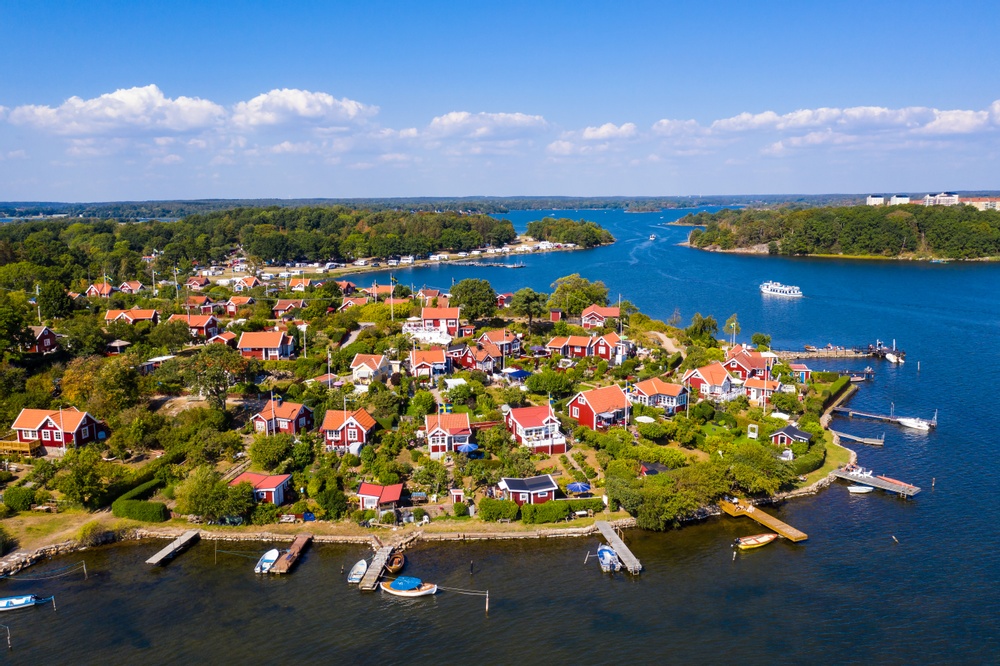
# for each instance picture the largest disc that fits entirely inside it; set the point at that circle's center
(874, 441)
(882, 482)
(765, 519)
(287, 560)
(628, 560)
(370, 580)
(174, 547)
(888, 418)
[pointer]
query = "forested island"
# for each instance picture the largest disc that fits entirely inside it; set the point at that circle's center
(908, 231)
(582, 232)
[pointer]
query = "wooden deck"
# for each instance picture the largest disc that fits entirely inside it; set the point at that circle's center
(629, 561)
(765, 519)
(884, 483)
(174, 547)
(287, 561)
(370, 580)
(874, 441)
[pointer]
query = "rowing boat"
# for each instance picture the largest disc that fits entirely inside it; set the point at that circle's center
(407, 586)
(357, 572)
(396, 563)
(267, 561)
(754, 541)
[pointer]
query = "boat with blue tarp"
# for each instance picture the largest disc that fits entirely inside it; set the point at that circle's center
(408, 586)
(608, 558)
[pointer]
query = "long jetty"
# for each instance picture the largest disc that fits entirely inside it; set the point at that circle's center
(174, 547)
(874, 441)
(370, 579)
(888, 418)
(765, 519)
(868, 351)
(287, 561)
(630, 561)
(882, 482)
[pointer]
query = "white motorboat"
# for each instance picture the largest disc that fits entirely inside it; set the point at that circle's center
(859, 490)
(914, 423)
(894, 358)
(777, 289)
(652, 236)
(267, 561)
(608, 558)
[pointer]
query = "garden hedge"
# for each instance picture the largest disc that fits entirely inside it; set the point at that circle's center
(128, 506)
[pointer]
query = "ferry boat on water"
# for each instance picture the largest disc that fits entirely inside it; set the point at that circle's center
(778, 289)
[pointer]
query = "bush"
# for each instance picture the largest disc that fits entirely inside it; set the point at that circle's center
(550, 512)
(96, 533)
(129, 506)
(389, 518)
(811, 461)
(594, 504)
(264, 514)
(5, 476)
(822, 377)
(7, 542)
(419, 513)
(461, 509)
(19, 498)
(491, 510)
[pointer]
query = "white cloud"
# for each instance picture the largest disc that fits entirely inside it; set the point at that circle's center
(956, 122)
(131, 109)
(609, 131)
(289, 105)
(561, 147)
(486, 125)
(293, 148)
(168, 159)
(667, 127)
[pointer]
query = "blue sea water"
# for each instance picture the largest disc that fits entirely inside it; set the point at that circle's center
(880, 579)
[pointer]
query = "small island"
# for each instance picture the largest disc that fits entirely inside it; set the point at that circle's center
(899, 232)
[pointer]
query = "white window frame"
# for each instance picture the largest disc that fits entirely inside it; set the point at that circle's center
(46, 435)
(352, 434)
(57, 436)
(576, 412)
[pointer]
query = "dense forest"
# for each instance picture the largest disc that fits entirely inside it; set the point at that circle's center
(171, 210)
(958, 232)
(582, 233)
(68, 249)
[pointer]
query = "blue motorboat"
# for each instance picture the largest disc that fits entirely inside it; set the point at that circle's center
(608, 558)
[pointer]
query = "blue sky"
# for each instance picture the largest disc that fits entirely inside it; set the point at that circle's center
(124, 100)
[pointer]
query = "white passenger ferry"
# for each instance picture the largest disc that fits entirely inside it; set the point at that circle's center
(778, 289)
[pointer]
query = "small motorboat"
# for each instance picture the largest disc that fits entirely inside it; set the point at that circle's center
(754, 541)
(267, 561)
(357, 572)
(396, 563)
(859, 490)
(408, 586)
(24, 601)
(893, 358)
(914, 423)
(652, 237)
(608, 558)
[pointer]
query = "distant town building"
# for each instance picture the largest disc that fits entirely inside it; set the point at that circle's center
(899, 199)
(875, 200)
(943, 199)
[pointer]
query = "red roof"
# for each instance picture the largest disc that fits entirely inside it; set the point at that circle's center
(196, 321)
(607, 399)
(336, 418)
(261, 481)
(68, 420)
(453, 424)
(600, 311)
(427, 357)
(714, 373)
(373, 361)
(385, 494)
(531, 417)
(439, 313)
(657, 386)
(281, 410)
(263, 340)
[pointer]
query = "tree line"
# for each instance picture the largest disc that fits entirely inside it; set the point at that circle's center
(958, 232)
(563, 230)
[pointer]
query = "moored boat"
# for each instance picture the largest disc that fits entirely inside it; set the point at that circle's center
(608, 558)
(357, 572)
(23, 601)
(396, 563)
(267, 561)
(914, 423)
(408, 586)
(754, 541)
(859, 490)
(772, 288)
(894, 358)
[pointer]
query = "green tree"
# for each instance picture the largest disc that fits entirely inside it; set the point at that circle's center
(496, 440)
(423, 403)
(203, 494)
(476, 298)
(267, 451)
(239, 499)
(529, 303)
(572, 294)
(117, 383)
(333, 501)
(550, 382)
(215, 370)
(84, 335)
(761, 340)
(83, 482)
(171, 335)
(14, 322)
(703, 330)
(731, 327)
(53, 300)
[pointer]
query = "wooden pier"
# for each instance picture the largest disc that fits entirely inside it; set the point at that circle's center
(874, 441)
(370, 580)
(628, 560)
(881, 482)
(888, 418)
(174, 547)
(286, 561)
(765, 519)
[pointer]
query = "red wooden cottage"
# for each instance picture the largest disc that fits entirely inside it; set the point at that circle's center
(227, 338)
(601, 408)
(102, 290)
(347, 431)
(508, 343)
(286, 305)
(595, 316)
(445, 432)
(573, 346)
(245, 283)
(45, 340)
(442, 319)
(533, 490)
(280, 416)
(133, 316)
(712, 380)
(655, 392)
(131, 287)
(197, 282)
(790, 435)
(267, 488)
(237, 303)
(58, 428)
(536, 428)
(266, 345)
(372, 496)
(201, 326)
(429, 363)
